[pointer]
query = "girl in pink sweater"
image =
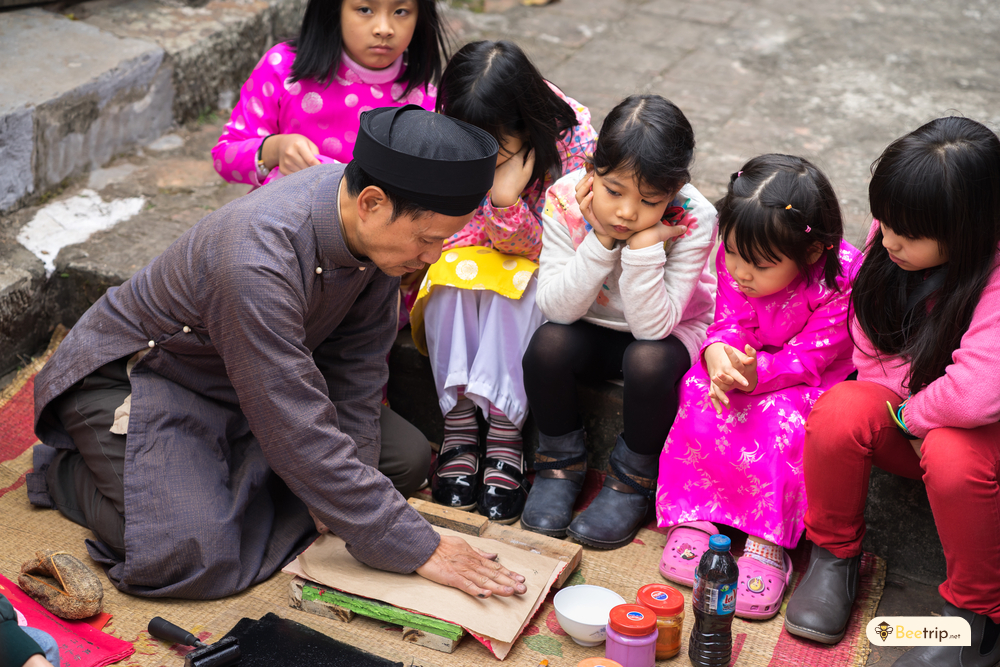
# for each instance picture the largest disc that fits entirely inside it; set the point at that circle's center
(305, 96)
(926, 403)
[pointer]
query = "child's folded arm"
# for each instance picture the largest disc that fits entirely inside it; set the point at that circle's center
(253, 118)
(656, 288)
(514, 229)
(569, 278)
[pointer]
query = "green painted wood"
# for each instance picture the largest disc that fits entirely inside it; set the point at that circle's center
(383, 612)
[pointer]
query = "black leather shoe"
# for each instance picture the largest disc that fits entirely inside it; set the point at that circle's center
(500, 504)
(459, 492)
(622, 506)
(821, 604)
(561, 465)
(984, 651)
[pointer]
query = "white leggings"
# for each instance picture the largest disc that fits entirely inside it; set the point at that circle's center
(476, 339)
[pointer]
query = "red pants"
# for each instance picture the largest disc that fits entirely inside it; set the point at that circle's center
(849, 429)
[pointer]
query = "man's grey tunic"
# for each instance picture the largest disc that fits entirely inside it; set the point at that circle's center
(281, 373)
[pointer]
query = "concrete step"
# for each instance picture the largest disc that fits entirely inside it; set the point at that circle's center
(71, 97)
(115, 76)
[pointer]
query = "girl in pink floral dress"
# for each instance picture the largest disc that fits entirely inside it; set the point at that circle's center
(779, 340)
(304, 99)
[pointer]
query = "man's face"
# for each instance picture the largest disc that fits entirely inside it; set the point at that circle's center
(408, 243)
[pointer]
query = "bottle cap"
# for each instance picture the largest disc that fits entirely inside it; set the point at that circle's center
(598, 662)
(719, 543)
(632, 619)
(662, 599)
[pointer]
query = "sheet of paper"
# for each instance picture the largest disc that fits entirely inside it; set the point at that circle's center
(328, 562)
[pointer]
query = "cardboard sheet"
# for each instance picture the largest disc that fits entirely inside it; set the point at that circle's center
(497, 621)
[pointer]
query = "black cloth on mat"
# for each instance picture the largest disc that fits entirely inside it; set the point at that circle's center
(273, 641)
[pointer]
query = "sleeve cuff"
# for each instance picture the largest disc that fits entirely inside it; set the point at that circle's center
(597, 250)
(653, 255)
(404, 547)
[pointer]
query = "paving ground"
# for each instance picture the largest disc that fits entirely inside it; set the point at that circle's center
(834, 82)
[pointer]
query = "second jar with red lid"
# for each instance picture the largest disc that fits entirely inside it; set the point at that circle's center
(668, 605)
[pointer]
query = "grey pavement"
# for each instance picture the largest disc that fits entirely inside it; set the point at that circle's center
(833, 82)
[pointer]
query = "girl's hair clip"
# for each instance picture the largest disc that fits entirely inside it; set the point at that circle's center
(788, 208)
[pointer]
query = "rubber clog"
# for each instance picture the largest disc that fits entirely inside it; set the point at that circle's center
(686, 542)
(761, 587)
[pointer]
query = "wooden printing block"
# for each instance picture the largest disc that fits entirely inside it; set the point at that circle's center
(417, 628)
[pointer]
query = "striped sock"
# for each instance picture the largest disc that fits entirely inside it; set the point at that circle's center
(460, 428)
(765, 552)
(503, 441)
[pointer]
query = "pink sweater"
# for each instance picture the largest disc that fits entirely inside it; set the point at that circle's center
(966, 396)
(271, 104)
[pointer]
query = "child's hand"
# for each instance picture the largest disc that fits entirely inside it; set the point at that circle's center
(728, 369)
(658, 233)
(585, 198)
(511, 178)
(290, 152)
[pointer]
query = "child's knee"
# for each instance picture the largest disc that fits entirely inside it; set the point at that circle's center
(953, 463)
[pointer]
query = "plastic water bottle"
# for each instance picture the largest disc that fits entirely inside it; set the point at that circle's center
(714, 602)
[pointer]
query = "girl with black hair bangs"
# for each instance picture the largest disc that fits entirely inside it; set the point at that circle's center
(779, 340)
(475, 310)
(927, 309)
(625, 284)
(302, 103)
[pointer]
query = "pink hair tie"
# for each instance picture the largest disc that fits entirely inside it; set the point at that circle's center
(808, 229)
(738, 174)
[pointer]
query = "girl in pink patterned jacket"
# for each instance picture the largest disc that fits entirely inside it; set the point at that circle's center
(305, 96)
(779, 340)
(475, 311)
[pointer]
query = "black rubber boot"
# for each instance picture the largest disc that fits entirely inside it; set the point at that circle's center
(621, 508)
(821, 604)
(984, 651)
(561, 468)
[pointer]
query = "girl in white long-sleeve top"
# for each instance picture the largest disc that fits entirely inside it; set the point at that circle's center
(625, 284)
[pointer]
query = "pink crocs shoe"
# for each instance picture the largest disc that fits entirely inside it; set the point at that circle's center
(686, 542)
(760, 588)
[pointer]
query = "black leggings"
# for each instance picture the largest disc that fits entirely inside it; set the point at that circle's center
(560, 354)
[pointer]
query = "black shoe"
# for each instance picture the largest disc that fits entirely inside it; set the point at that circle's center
(500, 504)
(561, 465)
(458, 492)
(821, 604)
(623, 505)
(984, 651)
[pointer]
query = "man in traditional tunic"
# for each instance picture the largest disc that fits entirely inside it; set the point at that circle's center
(196, 415)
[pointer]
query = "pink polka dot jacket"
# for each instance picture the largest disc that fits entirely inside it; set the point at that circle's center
(329, 116)
(517, 229)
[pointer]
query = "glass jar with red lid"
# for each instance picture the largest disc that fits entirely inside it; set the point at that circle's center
(631, 636)
(668, 604)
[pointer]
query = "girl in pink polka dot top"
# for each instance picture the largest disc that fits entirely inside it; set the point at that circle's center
(475, 310)
(305, 96)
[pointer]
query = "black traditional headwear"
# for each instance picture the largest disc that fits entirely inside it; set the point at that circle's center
(437, 162)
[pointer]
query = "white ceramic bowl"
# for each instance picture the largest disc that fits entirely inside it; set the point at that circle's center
(583, 611)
